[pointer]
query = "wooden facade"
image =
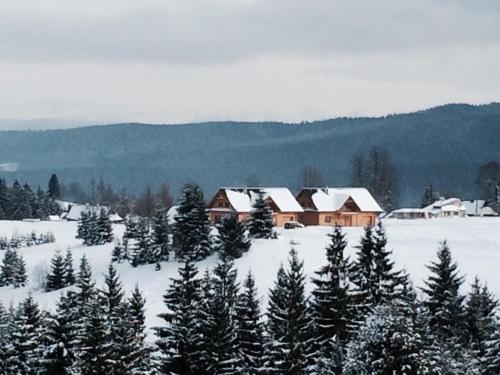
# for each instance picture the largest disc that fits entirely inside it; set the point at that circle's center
(220, 206)
(348, 214)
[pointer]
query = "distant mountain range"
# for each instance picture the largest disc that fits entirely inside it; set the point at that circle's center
(443, 145)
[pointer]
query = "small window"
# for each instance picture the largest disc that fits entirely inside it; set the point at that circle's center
(328, 219)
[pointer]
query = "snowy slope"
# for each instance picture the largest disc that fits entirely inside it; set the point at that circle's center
(475, 245)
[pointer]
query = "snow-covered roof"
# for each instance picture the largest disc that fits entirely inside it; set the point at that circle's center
(450, 204)
(75, 211)
(114, 218)
(409, 210)
(54, 218)
(332, 199)
(488, 211)
(242, 199)
(474, 207)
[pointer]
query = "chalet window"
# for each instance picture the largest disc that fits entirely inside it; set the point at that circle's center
(328, 219)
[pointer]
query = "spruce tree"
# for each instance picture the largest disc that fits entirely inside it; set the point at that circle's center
(191, 229)
(260, 223)
(491, 360)
(250, 327)
(68, 266)
(26, 338)
(56, 279)
(387, 343)
(363, 276)
(93, 235)
(141, 249)
(117, 253)
(160, 234)
(231, 238)
(331, 303)
(54, 191)
(290, 328)
(103, 227)
(8, 267)
(59, 355)
(178, 340)
(20, 276)
(429, 196)
(444, 302)
(480, 312)
(222, 340)
(82, 231)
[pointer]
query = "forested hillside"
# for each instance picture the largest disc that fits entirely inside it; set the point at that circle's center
(444, 146)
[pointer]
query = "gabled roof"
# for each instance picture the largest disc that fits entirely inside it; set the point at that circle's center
(332, 199)
(474, 207)
(450, 204)
(242, 199)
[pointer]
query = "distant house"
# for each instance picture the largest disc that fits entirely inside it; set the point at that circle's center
(238, 202)
(342, 206)
(451, 207)
(478, 208)
(409, 213)
(74, 212)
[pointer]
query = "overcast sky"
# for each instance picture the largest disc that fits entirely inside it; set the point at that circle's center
(170, 61)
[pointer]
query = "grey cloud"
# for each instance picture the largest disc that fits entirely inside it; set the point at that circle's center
(207, 31)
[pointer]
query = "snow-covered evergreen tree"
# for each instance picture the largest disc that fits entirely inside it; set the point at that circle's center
(331, 302)
(260, 223)
(59, 354)
(179, 340)
(231, 238)
(160, 236)
(191, 230)
(104, 230)
(491, 360)
(20, 276)
(444, 302)
(289, 326)
(56, 279)
(82, 231)
(141, 248)
(250, 327)
(386, 343)
(8, 267)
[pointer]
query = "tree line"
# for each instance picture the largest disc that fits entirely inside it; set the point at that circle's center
(362, 316)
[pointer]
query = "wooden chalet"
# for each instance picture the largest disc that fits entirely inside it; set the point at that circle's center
(342, 206)
(238, 202)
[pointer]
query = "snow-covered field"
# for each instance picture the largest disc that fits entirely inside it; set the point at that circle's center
(475, 245)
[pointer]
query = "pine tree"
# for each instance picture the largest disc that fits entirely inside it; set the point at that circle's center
(68, 266)
(250, 327)
(289, 321)
(82, 231)
(26, 338)
(93, 234)
(480, 312)
(8, 267)
(260, 223)
(104, 229)
(363, 276)
(117, 253)
(178, 341)
(429, 196)
(59, 355)
(191, 230)
(491, 361)
(331, 303)
(231, 239)
(386, 343)
(222, 341)
(140, 357)
(444, 302)
(85, 284)
(20, 276)
(160, 234)
(141, 249)
(54, 191)
(57, 277)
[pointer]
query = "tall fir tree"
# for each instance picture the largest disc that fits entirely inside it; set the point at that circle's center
(56, 279)
(141, 248)
(250, 327)
(82, 231)
(191, 230)
(491, 360)
(54, 191)
(231, 239)
(260, 223)
(444, 302)
(429, 197)
(290, 327)
(160, 240)
(104, 230)
(8, 267)
(331, 302)
(70, 278)
(179, 340)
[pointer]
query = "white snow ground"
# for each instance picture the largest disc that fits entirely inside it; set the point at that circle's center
(474, 242)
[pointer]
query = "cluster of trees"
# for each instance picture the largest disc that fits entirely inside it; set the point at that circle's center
(13, 269)
(26, 240)
(377, 173)
(362, 317)
(19, 202)
(62, 273)
(150, 241)
(93, 228)
(90, 331)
